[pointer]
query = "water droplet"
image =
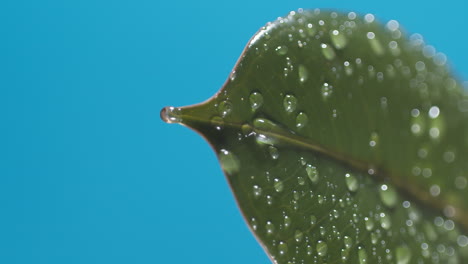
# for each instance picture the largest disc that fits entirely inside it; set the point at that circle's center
(281, 50)
(326, 90)
(338, 39)
(385, 221)
(328, 51)
(217, 122)
(282, 248)
(403, 255)
(388, 195)
(303, 73)
(321, 248)
(362, 254)
(348, 242)
(301, 120)
(262, 125)
(270, 228)
(256, 100)
(224, 108)
(274, 153)
(434, 112)
(287, 221)
(434, 190)
(369, 18)
(171, 115)
(418, 124)
(229, 162)
(257, 190)
(312, 173)
(290, 103)
(375, 44)
(300, 180)
(351, 182)
(313, 220)
(279, 187)
(348, 68)
(298, 235)
(369, 223)
(374, 139)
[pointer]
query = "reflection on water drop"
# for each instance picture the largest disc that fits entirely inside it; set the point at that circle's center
(362, 254)
(338, 39)
(312, 173)
(388, 195)
(322, 248)
(256, 100)
(274, 153)
(326, 90)
(385, 221)
(270, 228)
(290, 103)
(224, 108)
(281, 50)
(351, 182)
(403, 255)
(301, 120)
(369, 223)
(217, 122)
(229, 162)
(282, 248)
(328, 51)
(303, 73)
(257, 190)
(279, 187)
(375, 44)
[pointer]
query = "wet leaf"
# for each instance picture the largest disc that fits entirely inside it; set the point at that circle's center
(343, 142)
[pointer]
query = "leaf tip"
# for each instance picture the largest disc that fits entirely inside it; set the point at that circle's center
(170, 115)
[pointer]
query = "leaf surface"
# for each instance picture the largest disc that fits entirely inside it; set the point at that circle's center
(343, 142)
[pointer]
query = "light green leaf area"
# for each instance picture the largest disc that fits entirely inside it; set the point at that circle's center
(343, 142)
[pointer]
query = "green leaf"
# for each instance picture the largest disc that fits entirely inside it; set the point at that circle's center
(343, 142)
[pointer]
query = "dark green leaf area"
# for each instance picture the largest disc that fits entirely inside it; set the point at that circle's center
(344, 142)
(307, 208)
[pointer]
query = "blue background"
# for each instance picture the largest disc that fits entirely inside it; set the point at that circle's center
(88, 171)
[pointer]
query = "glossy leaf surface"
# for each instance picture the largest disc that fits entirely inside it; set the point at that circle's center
(343, 142)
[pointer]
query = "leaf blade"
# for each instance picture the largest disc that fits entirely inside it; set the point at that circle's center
(308, 114)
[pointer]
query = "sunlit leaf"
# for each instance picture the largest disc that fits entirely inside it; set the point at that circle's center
(344, 141)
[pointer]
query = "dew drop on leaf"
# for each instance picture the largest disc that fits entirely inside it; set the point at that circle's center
(303, 73)
(290, 103)
(301, 120)
(322, 248)
(338, 39)
(256, 100)
(281, 50)
(312, 173)
(229, 162)
(279, 187)
(388, 195)
(351, 182)
(403, 255)
(328, 51)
